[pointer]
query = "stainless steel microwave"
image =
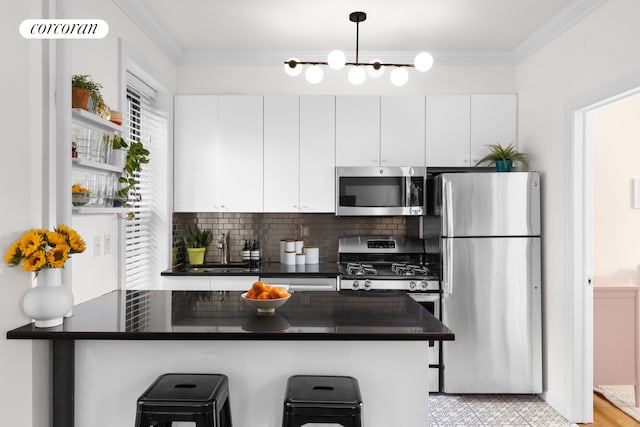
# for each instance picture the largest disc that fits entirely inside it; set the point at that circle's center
(380, 191)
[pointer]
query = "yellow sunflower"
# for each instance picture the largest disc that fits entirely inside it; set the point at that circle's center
(30, 242)
(63, 229)
(55, 238)
(13, 254)
(35, 262)
(76, 243)
(58, 256)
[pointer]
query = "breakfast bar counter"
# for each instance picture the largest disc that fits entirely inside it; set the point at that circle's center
(117, 344)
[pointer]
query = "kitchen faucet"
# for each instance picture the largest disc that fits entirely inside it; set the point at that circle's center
(223, 244)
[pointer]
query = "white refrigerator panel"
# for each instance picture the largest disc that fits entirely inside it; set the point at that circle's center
(491, 301)
(488, 204)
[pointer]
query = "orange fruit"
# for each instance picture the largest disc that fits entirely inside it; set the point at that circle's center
(250, 294)
(278, 292)
(259, 287)
(264, 295)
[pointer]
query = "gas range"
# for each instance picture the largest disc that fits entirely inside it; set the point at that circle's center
(387, 263)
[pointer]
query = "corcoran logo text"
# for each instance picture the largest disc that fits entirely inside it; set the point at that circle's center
(64, 28)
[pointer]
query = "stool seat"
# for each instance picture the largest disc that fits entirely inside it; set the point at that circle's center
(199, 398)
(322, 399)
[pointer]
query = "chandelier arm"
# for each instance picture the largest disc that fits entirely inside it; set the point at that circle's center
(350, 63)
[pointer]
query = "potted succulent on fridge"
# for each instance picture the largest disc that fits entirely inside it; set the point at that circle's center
(196, 242)
(503, 157)
(83, 89)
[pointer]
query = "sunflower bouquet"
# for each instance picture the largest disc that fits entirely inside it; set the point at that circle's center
(39, 249)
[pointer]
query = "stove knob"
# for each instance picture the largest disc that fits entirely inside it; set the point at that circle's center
(412, 285)
(355, 284)
(367, 284)
(424, 285)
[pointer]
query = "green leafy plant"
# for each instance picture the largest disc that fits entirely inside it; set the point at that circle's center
(498, 152)
(196, 238)
(136, 157)
(118, 143)
(84, 81)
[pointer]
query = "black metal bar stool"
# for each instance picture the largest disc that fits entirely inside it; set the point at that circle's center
(322, 399)
(199, 398)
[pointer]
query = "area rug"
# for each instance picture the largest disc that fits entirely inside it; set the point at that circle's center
(621, 396)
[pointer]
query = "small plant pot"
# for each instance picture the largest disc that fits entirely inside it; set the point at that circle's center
(196, 255)
(80, 98)
(504, 165)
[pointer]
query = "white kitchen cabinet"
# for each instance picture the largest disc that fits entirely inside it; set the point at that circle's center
(239, 171)
(196, 153)
(493, 120)
(357, 130)
(460, 126)
(448, 130)
(402, 131)
(281, 153)
(317, 153)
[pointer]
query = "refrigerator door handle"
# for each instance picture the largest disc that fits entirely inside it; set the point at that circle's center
(448, 210)
(447, 283)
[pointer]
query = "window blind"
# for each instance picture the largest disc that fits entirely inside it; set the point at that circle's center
(144, 232)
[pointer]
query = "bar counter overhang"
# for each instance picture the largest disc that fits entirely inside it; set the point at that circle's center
(114, 346)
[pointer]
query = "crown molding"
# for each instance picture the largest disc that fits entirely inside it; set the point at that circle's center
(277, 58)
(573, 13)
(149, 25)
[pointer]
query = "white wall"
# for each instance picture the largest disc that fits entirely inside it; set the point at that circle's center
(596, 52)
(20, 196)
(616, 161)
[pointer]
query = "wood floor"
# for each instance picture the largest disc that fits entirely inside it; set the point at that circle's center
(607, 415)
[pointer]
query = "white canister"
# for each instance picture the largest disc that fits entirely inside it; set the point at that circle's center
(312, 254)
(299, 245)
(300, 259)
(290, 258)
(290, 246)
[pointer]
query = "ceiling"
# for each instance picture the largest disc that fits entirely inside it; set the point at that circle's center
(250, 26)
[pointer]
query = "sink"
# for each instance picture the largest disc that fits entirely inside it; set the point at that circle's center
(220, 268)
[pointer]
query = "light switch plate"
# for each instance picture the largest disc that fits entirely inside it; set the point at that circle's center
(636, 193)
(107, 244)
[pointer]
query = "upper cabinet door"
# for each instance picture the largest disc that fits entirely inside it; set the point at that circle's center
(281, 153)
(448, 130)
(357, 130)
(195, 153)
(402, 131)
(239, 172)
(317, 154)
(493, 120)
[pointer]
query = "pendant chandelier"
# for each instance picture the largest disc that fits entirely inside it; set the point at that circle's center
(357, 74)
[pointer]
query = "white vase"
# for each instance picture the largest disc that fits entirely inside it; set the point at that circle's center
(49, 301)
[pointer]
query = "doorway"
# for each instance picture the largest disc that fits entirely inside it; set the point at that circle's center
(581, 240)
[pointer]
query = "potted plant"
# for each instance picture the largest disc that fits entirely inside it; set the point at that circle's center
(136, 157)
(118, 155)
(83, 89)
(196, 242)
(503, 157)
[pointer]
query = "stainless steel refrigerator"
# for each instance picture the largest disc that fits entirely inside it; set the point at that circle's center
(491, 281)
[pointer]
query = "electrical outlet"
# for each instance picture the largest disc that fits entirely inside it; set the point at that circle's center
(97, 245)
(107, 244)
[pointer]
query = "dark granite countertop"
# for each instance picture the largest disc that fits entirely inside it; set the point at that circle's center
(216, 315)
(268, 269)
